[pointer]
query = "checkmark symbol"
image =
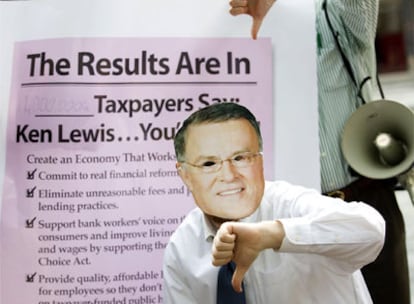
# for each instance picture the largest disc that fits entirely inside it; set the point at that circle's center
(30, 192)
(30, 223)
(31, 174)
(30, 277)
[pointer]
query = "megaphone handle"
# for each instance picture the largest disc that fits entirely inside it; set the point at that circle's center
(407, 180)
(410, 187)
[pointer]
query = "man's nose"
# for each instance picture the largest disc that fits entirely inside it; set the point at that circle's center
(227, 171)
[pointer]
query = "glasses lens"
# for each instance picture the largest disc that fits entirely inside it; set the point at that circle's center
(243, 160)
(210, 166)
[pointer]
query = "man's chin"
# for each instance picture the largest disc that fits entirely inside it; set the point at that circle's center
(217, 221)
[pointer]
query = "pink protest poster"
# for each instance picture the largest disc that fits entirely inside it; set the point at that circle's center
(91, 194)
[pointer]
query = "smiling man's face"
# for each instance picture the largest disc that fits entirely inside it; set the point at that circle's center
(231, 193)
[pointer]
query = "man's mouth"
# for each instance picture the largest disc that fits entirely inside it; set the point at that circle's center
(230, 192)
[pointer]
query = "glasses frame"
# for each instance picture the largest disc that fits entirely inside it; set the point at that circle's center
(232, 160)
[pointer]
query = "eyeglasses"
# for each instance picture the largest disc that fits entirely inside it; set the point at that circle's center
(241, 160)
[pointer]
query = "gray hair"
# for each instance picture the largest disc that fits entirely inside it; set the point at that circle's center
(219, 112)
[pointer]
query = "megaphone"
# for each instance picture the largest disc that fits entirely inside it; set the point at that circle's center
(378, 139)
(378, 142)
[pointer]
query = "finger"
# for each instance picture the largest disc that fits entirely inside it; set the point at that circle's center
(221, 262)
(223, 238)
(238, 11)
(237, 279)
(225, 233)
(238, 3)
(238, 7)
(222, 247)
(223, 256)
(255, 27)
(222, 253)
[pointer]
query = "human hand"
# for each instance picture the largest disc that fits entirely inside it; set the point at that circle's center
(242, 243)
(255, 8)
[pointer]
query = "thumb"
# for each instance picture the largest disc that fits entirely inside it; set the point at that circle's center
(257, 22)
(237, 279)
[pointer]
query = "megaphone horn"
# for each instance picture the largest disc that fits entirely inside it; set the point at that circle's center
(378, 139)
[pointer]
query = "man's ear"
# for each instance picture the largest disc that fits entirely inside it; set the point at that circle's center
(184, 175)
